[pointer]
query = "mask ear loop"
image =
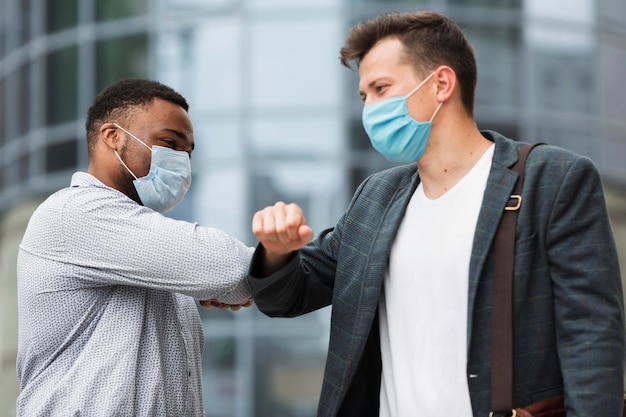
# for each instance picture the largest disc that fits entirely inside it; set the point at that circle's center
(125, 166)
(132, 136)
(413, 91)
(436, 111)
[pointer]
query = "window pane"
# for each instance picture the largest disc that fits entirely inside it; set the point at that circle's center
(393, 3)
(61, 14)
(118, 9)
(61, 83)
(61, 156)
(274, 83)
(504, 4)
(288, 374)
(4, 28)
(121, 58)
(23, 167)
(496, 51)
(2, 114)
(16, 171)
(24, 99)
(25, 21)
(571, 90)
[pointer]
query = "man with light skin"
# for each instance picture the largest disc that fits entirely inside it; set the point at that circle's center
(408, 268)
(108, 325)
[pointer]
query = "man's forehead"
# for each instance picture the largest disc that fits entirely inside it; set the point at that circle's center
(385, 70)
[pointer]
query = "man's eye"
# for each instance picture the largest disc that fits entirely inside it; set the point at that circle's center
(169, 142)
(379, 88)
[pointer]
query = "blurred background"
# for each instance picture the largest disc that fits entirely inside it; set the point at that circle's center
(277, 117)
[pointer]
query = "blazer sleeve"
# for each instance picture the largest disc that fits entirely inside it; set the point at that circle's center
(307, 281)
(290, 291)
(587, 290)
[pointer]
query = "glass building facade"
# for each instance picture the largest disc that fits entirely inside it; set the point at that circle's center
(276, 117)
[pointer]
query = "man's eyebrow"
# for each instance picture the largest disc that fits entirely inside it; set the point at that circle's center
(371, 84)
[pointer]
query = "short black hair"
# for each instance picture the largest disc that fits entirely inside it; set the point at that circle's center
(116, 102)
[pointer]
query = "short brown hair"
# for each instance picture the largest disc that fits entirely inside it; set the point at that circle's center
(430, 40)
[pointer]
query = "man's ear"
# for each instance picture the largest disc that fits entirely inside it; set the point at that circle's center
(446, 82)
(109, 135)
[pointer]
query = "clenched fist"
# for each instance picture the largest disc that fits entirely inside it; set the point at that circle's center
(281, 229)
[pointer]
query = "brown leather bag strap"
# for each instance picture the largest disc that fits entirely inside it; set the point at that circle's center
(501, 308)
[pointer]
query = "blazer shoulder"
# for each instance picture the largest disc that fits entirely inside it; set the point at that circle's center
(556, 159)
(544, 154)
(397, 176)
(383, 186)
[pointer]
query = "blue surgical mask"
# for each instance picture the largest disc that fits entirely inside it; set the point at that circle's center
(168, 180)
(392, 130)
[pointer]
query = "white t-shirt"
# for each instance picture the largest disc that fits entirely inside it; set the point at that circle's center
(423, 310)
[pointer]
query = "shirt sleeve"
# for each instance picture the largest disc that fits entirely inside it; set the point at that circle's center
(113, 241)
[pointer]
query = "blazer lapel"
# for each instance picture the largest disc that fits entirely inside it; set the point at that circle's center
(500, 184)
(390, 223)
(366, 282)
(381, 246)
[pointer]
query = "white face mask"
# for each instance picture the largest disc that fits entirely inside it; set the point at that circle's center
(169, 178)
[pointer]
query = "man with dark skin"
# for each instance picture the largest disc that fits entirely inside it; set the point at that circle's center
(108, 324)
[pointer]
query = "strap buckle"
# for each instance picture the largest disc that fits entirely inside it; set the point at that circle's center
(517, 202)
(511, 413)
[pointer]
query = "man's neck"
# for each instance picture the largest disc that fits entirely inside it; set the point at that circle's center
(450, 156)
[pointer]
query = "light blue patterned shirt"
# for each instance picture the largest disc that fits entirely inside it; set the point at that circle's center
(107, 321)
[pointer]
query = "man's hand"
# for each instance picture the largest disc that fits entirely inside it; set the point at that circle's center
(281, 229)
(208, 304)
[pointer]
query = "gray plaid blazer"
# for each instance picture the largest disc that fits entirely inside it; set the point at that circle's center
(568, 305)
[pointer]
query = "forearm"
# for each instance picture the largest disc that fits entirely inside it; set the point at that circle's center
(266, 264)
(289, 292)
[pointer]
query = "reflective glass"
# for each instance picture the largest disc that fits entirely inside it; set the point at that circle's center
(554, 89)
(217, 53)
(3, 33)
(23, 167)
(61, 14)
(357, 136)
(121, 58)
(24, 21)
(288, 373)
(497, 54)
(294, 62)
(119, 9)
(500, 4)
(283, 5)
(612, 69)
(219, 375)
(297, 134)
(61, 86)
(24, 95)
(2, 114)
(61, 156)
(392, 3)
